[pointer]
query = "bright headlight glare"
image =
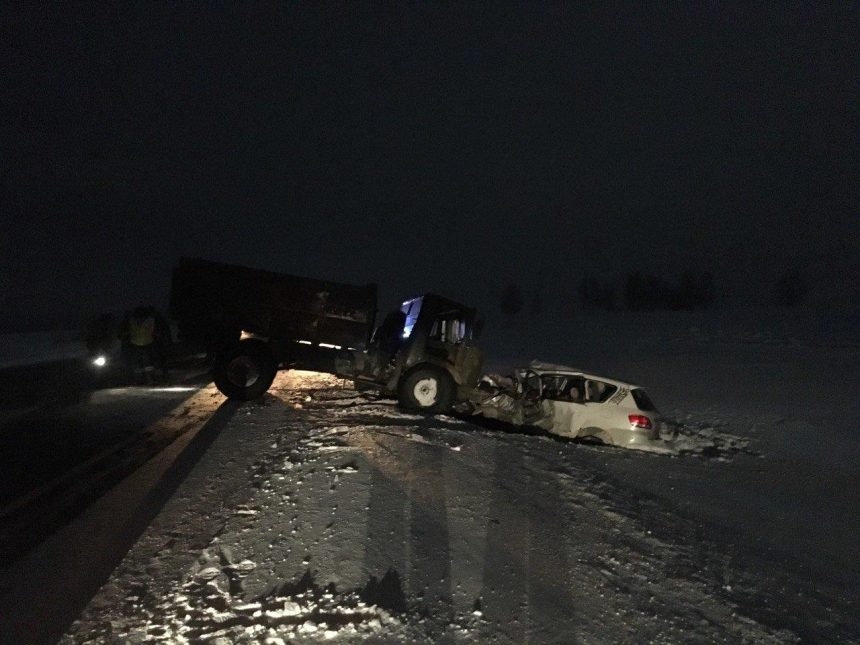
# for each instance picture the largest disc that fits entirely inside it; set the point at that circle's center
(100, 361)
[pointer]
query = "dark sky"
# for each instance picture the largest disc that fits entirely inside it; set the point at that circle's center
(454, 148)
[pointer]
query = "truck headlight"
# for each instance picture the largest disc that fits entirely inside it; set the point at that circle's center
(100, 361)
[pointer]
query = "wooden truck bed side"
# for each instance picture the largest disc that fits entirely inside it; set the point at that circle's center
(212, 299)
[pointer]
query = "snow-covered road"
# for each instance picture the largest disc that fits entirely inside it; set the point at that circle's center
(326, 514)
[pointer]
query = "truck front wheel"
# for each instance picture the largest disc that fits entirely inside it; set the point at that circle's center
(427, 389)
(245, 371)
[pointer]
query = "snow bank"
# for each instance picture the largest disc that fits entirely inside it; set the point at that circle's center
(40, 347)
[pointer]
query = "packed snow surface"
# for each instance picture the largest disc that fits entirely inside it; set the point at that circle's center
(325, 514)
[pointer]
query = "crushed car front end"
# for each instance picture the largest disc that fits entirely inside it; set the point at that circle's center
(574, 404)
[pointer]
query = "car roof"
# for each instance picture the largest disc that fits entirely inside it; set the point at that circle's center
(541, 368)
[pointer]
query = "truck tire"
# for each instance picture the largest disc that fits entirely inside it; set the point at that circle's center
(428, 390)
(245, 370)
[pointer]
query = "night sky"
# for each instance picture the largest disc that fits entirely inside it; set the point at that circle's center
(454, 148)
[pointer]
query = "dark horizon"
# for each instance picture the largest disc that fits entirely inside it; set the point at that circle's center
(455, 148)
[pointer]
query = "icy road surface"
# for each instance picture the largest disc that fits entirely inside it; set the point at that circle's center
(57, 457)
(325, 514)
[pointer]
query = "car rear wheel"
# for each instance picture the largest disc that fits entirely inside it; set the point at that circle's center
(428, 390)
(245, 371)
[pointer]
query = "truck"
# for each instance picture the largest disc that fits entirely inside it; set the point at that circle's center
(255, 322)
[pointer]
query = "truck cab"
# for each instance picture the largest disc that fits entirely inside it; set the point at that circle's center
(424, 353)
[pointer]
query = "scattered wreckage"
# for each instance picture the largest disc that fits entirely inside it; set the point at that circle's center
(571, 403)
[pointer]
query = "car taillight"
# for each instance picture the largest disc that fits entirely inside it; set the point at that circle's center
(639, 421)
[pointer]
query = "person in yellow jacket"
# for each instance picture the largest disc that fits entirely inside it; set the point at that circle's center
(138, 337)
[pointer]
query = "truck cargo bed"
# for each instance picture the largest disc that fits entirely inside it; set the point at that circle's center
(212, 300)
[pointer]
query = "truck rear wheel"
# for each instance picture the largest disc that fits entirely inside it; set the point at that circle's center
(427, 389)
(245, 371)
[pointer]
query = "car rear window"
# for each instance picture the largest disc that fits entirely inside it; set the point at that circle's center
(642, 401)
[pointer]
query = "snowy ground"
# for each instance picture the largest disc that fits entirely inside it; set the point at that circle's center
(364, 522)
(28, 348)
(325, 514)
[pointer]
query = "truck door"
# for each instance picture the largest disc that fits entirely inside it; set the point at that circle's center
(447, 343)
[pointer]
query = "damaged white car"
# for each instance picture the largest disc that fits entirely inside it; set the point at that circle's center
(571, 403)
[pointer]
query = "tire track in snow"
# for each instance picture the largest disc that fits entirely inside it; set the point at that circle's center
(509, 538)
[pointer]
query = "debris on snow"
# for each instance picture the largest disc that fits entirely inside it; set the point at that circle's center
(521, 523)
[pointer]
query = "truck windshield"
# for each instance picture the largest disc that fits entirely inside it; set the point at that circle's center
(411, 308)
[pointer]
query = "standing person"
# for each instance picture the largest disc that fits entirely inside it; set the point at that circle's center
(138, 336)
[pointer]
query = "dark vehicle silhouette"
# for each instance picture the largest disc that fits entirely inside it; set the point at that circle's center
(256, 322)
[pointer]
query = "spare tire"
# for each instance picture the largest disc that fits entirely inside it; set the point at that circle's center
(245, 370)
(429, 390)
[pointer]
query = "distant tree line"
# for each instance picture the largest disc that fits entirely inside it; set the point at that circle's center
(642, 292)
(645, 292)
(513, 301)
(594, 294)
(648, 292)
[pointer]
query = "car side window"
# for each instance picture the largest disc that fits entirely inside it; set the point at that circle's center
(531, 385)
(552, 386)
(570, 389)
(598, 391)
